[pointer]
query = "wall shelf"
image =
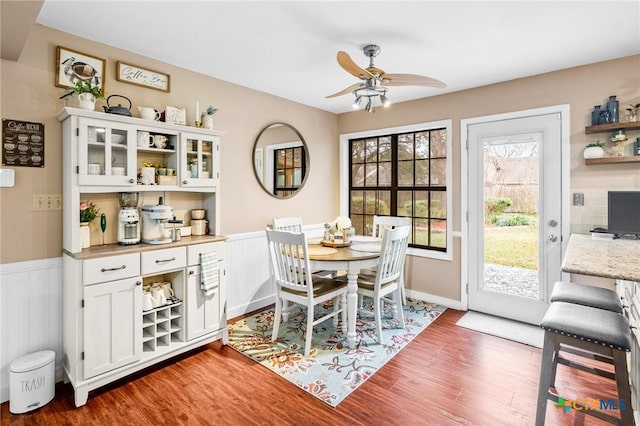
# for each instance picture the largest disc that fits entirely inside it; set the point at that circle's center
(611, 160)
(602, 128)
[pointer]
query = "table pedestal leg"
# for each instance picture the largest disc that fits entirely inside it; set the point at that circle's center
(352, 305)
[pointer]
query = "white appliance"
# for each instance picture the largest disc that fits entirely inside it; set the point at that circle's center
(128, 219)
(154, 223)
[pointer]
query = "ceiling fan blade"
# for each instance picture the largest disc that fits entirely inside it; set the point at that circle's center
(411, 80)
(345, 61)
(347, 90)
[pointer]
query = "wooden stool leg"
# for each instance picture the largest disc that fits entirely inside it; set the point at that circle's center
(554, 368)
(624, 388)
(546, 368)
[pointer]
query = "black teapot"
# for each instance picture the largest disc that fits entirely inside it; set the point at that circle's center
(120, 110)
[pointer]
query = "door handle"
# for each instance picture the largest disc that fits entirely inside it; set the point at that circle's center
(553, 238)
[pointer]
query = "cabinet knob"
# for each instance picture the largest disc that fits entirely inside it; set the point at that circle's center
(132, 180)
(184, 182)
(191, 272)
(139, 283)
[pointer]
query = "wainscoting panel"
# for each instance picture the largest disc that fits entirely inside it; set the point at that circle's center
(249, 285)
(31, 298)
(31, 313)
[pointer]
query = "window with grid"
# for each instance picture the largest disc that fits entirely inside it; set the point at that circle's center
(403, 174)
(288, 170)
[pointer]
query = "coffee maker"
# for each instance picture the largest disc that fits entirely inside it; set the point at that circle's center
(128, 219)
(155, 221)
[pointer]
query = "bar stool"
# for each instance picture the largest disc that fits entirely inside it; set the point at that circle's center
(586, 295)
(593, 330)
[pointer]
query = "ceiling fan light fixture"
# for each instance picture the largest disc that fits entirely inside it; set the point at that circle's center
(369, 107)
(356, 103)
(384, 101)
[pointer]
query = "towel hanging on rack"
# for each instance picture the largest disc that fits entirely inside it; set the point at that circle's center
(209, 273)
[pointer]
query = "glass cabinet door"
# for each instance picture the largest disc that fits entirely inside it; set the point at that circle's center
(200, 160)
(106, 154)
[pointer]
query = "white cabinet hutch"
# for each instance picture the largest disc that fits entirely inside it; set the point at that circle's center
(106, 333)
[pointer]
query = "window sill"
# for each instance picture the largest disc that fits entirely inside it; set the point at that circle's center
(430, 254)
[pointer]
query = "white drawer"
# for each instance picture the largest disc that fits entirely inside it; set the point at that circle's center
(111, 268)
(163, 260)
(195, 250)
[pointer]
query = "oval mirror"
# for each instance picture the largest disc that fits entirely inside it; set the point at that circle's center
(280, 160)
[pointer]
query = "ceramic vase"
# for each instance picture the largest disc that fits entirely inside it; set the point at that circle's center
(593, 152)
(85, 234)
(86, 101)
(206, 121)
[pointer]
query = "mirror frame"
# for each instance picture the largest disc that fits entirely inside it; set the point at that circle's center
(306, 155)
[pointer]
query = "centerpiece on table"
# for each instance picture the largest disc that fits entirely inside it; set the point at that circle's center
(88, 212)
(338, 233)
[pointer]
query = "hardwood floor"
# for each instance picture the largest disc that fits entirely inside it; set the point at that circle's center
(448, 375)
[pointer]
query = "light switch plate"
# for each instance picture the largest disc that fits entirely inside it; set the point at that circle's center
(7, 178)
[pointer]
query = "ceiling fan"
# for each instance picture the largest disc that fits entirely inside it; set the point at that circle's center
(375, 81)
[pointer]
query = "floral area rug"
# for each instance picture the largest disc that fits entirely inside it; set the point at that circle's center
(331, 371)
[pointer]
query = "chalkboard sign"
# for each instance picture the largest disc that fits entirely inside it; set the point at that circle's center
(22, 143)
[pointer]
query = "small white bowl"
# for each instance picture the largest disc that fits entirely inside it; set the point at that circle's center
(116, 138)
(185, 231)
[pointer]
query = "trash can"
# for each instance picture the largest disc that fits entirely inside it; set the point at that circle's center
(32, 381)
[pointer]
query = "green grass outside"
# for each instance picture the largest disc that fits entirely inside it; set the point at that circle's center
(512, 246)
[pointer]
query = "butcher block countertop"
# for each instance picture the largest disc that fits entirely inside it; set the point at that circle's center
(117, 249)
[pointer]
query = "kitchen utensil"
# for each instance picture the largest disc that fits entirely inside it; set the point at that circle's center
(144, 139)
(160, 141)
(154, 221)
(197, 214)
(95, 169)
(148, 113)
(120, 110)
(128, 219)
(198, 226)
(103, 225)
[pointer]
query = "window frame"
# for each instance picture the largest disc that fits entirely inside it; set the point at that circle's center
(345, 176)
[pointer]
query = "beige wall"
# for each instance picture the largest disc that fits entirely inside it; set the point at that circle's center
(581, 88)
(28, 93)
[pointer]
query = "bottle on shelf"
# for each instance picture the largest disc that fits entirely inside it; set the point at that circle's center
(612, 107)
(595, 115)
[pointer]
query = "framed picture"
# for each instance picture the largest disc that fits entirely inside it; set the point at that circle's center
(73, 66)
(143, 77)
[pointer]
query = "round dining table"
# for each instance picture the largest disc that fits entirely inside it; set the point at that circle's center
(352, 261)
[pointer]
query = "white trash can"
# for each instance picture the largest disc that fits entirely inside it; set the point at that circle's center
(32, 381)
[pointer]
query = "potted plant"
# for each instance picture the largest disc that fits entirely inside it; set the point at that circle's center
(594, 150)
(207, 117)
(88, 212)
(85, 94)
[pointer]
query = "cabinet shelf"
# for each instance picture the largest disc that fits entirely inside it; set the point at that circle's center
(604, 128)
(158, 150)
(612, 160)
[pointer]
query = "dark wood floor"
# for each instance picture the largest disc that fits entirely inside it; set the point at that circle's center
(448, 375)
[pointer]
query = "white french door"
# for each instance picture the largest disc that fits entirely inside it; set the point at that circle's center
(515, 228)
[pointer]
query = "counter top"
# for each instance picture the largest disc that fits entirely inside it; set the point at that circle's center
(116, 249)
(603, 257)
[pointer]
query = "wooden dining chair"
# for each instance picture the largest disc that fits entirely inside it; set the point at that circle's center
(289, 256)
(379, 225)
(292, 224)
(385, 286)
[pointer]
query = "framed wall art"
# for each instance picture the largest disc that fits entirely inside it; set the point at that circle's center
(143, 77)
(73, 66)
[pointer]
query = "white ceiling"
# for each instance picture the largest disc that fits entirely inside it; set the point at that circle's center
(288, 49)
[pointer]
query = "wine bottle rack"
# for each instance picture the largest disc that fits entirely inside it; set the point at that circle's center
(162, 327)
